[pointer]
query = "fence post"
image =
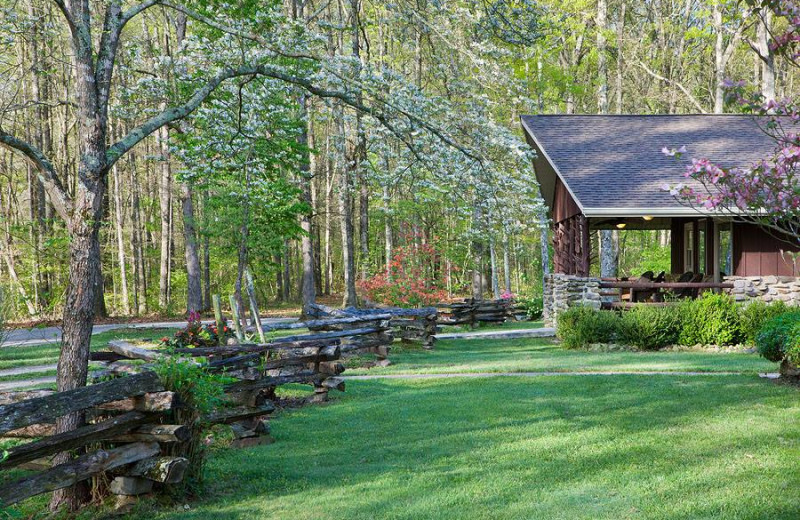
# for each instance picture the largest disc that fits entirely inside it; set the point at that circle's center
(237, 325)
(218, 315)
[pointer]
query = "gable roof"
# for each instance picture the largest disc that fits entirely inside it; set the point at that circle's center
(612, 165)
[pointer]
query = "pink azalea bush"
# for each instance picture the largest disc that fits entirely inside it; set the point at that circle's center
(768, 191)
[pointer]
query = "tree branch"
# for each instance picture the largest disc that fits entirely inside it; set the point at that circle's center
(45, 172)
(673, 82)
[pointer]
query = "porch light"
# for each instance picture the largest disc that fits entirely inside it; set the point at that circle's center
(621, 225)
(648, 217)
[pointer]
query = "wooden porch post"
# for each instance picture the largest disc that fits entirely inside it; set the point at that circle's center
(717, 278)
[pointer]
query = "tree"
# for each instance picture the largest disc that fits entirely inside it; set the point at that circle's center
(766, 193)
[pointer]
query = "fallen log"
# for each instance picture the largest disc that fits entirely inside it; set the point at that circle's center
(71, 440)
(32, 431)
(72, 472)
(48, 408)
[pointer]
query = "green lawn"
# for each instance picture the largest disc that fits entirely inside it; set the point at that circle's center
(26, 356)
(536, 354)
(660, 447)
(486, 327)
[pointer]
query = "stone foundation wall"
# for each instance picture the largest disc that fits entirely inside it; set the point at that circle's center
(765, 288)
(563, 291)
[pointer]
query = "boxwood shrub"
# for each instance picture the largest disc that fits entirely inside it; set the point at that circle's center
(579, 327)
(712, 319)
(754, 315)
(778, 335)
(650, 328)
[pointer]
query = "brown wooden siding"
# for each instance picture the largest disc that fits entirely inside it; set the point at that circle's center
(676, 239)
(564, 206)
(757, 253)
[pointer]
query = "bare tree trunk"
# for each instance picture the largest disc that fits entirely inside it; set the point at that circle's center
(620, 54)
(506, 264)
(329, 183)
(602, 62)
(165, 200)
(766, 55)
(387, 228)
(194, 291)
(348, 250)
(495, 276)
(719, 64)
(478, 268)
(308, 285)
(118, 221)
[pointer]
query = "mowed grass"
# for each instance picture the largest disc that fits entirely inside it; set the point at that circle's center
(47, 354)
(543, 354)
(604, 447)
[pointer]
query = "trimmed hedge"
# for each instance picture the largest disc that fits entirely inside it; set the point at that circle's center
(713, 319)
(579, 327)
(650, 328)
(780, 337)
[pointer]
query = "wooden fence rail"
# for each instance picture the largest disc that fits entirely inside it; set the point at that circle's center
(129, 427)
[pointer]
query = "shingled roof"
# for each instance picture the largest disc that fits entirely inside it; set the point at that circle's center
(613, 164)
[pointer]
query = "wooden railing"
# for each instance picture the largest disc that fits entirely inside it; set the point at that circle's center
(616, 288)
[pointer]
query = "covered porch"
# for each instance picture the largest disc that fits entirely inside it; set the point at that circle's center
(701, 256)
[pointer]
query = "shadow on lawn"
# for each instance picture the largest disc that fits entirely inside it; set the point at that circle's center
(515, 447)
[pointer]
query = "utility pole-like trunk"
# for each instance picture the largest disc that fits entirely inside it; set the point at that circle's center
(194, 290)
(387, 227)
(506, 263)
(608, 253)
(118, 224)
(308, 284)
(165, 213)
(494, 274)
(765, 55)
(719, 63)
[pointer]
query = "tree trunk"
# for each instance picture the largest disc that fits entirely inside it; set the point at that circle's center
(387, 227)
(719, 63)
(766, 55)
(165, 200)
(194, 291)
(494, 274)
(308, 285)
(118, 221)
(506, 264)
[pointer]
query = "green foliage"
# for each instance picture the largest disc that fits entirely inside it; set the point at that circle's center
(200, 392)
(777, 335)
(532, 305)
(649, 327)
(712, 319)
(579, 327)
(754, 315)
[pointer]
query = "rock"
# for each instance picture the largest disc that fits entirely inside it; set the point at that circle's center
(130, 486)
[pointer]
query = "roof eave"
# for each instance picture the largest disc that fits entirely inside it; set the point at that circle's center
(551, 163)
(678, 211)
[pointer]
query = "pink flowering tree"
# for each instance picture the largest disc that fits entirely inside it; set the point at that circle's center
(767, 192)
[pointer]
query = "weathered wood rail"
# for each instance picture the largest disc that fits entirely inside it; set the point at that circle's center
(472, 312)
(131, 430)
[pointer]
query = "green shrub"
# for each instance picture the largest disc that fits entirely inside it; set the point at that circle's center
(755, 314)
(579, 327)
(778, 335)
(533, 306)
(650, 328)
(712, 319)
